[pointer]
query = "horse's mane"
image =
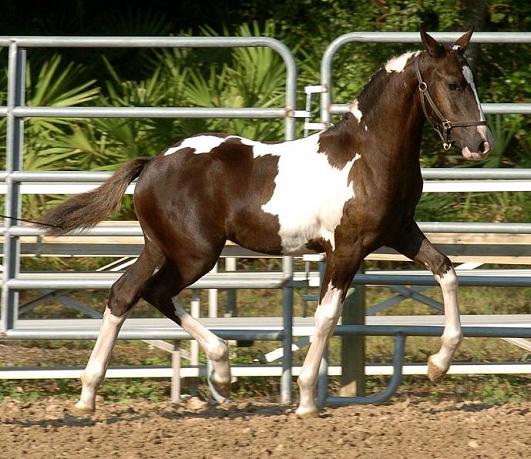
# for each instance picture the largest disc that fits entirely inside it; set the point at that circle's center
(377, 86)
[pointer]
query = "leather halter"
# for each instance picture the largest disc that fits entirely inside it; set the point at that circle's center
(443, 126)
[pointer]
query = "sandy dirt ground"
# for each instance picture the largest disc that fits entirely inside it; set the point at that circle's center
(253, 429)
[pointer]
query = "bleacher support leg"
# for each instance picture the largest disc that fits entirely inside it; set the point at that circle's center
(353, 346)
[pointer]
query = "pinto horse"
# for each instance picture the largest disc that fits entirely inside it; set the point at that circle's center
(345, 191)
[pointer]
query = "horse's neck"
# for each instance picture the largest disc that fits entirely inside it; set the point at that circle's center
(391, 117)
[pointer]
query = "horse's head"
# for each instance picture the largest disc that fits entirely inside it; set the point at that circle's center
(449, 97)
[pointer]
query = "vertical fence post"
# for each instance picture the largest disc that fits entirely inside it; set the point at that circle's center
(176, 372)
(231, 293)
(287, 326)
(195, 312)
(287, 262)
(353, 346)
(12, 207)
(213, 297)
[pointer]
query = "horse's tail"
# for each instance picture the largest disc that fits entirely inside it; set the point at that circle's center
(86, 209)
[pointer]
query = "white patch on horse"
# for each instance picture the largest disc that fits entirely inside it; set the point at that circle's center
(452, 334)
(295, 147)
(469, 77)
(306, 211)
(172, 150)
(327, 313)
(201, 144)
(397, 64)
(355, 110)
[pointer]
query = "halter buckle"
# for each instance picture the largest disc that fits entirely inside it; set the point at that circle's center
(447, 125)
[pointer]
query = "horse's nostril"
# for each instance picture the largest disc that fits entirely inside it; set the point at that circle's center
(484, 147)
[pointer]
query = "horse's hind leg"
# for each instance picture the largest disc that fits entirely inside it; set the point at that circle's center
(160, 291)
(124, 295)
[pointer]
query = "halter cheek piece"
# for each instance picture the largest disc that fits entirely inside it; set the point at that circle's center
(442, 126)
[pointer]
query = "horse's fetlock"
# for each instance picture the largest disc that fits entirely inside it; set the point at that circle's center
(452, 338)
(304, 381)
(91, 378)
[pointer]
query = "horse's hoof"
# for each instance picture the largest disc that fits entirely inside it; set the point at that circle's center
(435, 373)
(220, 390)
(81, 409)
(307, 412)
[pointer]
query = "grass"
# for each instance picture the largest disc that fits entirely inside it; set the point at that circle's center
(488, 389)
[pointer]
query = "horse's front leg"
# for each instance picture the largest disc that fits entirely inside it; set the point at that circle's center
(439, 363)
(336, 281)
(417, 247)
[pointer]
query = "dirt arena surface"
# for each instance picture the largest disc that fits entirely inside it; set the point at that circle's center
(252, 429)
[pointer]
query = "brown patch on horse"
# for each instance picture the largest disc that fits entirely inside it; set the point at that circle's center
(339, 143)
(210, 197)
(251, 183)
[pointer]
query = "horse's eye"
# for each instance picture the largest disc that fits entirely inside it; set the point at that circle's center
(454, 87)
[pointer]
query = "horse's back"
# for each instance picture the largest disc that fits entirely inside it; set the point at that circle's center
(268, 197)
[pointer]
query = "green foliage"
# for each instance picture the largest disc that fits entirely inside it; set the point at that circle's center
(112, 390)
(51, 85)
(500, 390)
(122, 391)
(254, 77)
(251, 77)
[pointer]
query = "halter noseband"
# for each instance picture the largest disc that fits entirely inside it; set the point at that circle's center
(446, 126)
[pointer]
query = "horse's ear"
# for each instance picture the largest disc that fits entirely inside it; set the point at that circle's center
(461, 43)
(430, 44)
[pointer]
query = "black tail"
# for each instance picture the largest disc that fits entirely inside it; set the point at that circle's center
(87, 209)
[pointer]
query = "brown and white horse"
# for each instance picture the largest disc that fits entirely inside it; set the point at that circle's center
(345, 191)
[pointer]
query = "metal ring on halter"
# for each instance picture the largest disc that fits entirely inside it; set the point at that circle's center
(447, 146)
(423, 86)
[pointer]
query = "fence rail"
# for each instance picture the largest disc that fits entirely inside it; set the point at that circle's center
(16, 181)
(15, 111)
(327, 108)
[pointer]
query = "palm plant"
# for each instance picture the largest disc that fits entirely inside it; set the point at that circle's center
(252, 77)
(53, 86)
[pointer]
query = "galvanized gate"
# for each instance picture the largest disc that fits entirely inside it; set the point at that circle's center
(14, 176)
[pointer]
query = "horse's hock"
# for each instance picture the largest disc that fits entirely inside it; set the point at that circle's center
(470, 244)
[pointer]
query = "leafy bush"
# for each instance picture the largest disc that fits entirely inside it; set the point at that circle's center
(255, 77)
